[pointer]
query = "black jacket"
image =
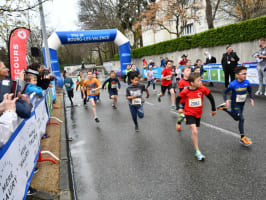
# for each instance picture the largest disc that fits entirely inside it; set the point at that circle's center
(227, 64)
(209, 61)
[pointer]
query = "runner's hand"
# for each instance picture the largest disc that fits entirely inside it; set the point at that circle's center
(252, 102)
(213, 113)
(134, 96)
(227, 102)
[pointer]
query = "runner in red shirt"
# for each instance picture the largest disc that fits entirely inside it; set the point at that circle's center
(193, 97)
(167, 83)
(182, 84)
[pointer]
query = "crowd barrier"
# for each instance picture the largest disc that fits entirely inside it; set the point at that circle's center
(19, 155)
(214, 73)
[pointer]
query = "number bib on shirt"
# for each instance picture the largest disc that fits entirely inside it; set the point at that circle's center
(136, 101)
(241, 98)
(93, 91)
(67, 84)
(194, 102)
(114, 86)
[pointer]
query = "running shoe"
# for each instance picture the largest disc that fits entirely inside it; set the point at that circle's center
(31, 191)
(199, 155)
(258, 93)
(265, 91)
(178, 127)
(96, 119)
(137, 128)
(114, 107)
(221, 107)
(173, 108)
(159, 97)
(36, 169)
(245, 141)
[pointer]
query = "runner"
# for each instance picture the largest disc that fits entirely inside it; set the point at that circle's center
(126, 72)
(131, 73)
(182, 84)
(150, 78)
(92, 86)
(167, 83)
(113, 87)
(193, 98)
(80, 86)
(69, 84)
(134, 95)
(239, 87)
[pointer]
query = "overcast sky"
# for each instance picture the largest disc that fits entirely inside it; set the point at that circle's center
(61, 15)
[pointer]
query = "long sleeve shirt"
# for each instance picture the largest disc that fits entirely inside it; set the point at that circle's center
(8, 124)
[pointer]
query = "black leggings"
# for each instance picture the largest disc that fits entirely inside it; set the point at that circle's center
(238, 116)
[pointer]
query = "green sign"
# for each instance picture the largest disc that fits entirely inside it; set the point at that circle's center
(214, 74)
(49, 101)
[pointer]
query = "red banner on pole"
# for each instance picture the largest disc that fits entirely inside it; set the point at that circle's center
(18, 51)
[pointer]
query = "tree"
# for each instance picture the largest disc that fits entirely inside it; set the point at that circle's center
(160, 15)
(210, 12)
(244, 9)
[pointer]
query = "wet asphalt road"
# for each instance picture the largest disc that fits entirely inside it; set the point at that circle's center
(112, 162)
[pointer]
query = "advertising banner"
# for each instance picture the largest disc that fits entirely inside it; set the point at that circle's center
(18, 51)
(19, 155)
(156, 72)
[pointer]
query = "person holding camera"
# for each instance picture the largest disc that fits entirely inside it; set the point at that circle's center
(8, 86)
(229, 63)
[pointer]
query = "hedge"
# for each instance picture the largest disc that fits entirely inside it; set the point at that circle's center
(248, 30)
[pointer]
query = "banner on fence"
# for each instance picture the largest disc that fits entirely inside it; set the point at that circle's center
(19, 155)
(156, 72)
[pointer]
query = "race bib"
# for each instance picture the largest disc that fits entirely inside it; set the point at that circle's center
(136, 101)
(67, 84)
(114, 86)
(241, 98)
(194, 102)
(93, 91)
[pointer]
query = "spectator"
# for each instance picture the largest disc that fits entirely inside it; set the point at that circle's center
(31, 86)
(144, 63)
(198, 64)
(7, 86)
(8, 118)
(162, 62)
(43, 74)
(151, 63)
(229, 63)
(261, 67)
(69, 84)
(184, 60)
(209, 58)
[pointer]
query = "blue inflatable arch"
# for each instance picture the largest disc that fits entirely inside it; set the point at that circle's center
(75, 37)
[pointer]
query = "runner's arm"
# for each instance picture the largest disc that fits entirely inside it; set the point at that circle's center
(211, 99)
(225, 92)
(250, 92)
(118, 82)
(105, 83)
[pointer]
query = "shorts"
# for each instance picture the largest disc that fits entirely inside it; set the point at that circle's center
(70, 93)
(164, 88)
(95, 97)
(192, 120)
(112, 92)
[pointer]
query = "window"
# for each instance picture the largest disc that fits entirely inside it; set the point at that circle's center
(188, 29)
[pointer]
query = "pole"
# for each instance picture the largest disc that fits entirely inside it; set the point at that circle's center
(47, 53)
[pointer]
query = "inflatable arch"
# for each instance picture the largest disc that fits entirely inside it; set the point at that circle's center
(74, 37)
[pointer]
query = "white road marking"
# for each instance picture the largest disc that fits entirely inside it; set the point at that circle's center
(151, 104)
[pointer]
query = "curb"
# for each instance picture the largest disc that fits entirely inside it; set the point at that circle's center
(66, 182)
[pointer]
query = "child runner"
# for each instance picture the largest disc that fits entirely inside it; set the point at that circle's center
(80, 86)
(193, 97)
(239, 87)
(31, 86)
(167, 83)
(182, 84)
(69, 84)
(113, 87)
(92, 86)
(132, 73)
(134, 95)
(150, 78)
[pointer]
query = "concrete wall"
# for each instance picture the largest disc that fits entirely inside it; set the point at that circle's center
(244, 51)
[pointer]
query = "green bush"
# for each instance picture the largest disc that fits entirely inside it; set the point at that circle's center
(248, 30)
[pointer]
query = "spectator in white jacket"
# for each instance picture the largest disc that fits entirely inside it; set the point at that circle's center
(8, 118)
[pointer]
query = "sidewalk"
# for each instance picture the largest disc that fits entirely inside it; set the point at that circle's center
(52, 181)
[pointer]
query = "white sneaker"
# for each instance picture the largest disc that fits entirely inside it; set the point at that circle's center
(258, 93)
(265, 93)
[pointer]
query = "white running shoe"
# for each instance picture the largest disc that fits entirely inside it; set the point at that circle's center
(258, 93)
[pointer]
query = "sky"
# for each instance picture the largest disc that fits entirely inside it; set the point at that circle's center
(61, 15)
